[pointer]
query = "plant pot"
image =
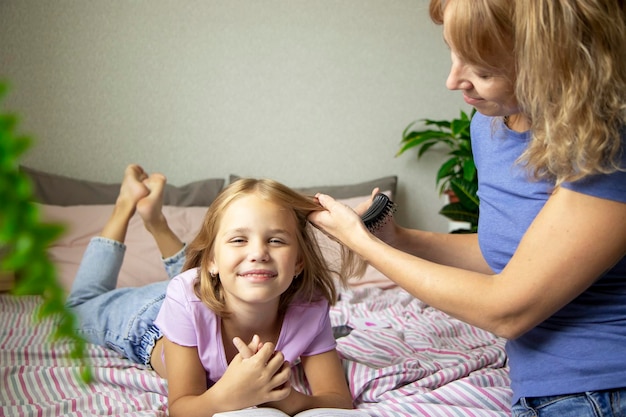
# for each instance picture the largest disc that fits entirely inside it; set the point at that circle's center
(452, 197)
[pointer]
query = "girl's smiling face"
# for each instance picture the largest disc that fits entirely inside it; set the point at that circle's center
(255, 251)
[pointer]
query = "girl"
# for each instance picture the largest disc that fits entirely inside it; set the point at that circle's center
(254, 299)
(547, 268)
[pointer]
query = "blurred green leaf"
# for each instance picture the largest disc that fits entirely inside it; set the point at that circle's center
(24, 240)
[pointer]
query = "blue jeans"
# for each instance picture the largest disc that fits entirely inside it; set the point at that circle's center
(609, 403)
(121, 319)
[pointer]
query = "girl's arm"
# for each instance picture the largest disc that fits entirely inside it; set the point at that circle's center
(326, 379)
(571, 242)
(247, 382)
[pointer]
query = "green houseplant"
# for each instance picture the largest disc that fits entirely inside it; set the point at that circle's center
(24, 240)
(457, 175)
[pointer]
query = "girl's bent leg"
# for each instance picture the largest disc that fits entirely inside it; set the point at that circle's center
(98, 270)
(123, 320)
(174, 264)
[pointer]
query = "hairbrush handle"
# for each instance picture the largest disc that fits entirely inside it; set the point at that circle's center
(378, 212)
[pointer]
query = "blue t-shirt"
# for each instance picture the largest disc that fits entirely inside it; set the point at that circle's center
(582, 347)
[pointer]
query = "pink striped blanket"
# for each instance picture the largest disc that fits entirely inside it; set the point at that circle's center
(403, 358)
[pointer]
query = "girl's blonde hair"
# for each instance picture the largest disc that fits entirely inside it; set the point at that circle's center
(315, 281)
(568, 63)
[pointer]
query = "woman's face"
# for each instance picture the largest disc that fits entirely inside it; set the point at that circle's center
(491, 94)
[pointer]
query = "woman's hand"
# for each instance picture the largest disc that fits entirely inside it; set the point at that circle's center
(343, 223)
(337, 220)
(362, 207)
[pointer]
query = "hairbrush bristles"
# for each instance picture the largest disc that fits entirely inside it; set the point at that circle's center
(378, 212)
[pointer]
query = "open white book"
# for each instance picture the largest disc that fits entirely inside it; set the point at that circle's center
(273, 412)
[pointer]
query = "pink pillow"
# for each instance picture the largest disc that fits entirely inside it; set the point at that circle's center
(142, 262)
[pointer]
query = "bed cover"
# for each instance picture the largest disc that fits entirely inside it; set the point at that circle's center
(402, 358)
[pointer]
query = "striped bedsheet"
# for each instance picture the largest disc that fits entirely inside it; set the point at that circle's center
(40, 380)
(402, 359)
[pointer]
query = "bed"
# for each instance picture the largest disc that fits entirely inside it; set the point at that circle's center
(401, 357)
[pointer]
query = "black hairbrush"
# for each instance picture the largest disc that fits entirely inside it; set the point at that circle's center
(378, 212)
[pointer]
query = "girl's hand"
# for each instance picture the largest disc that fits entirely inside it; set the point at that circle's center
(257, 379)
(247, 350)
(327, 384)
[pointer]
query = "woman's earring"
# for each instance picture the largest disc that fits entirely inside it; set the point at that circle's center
(213, 274)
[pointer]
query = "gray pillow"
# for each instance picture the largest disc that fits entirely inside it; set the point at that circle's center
(59, 190)
(347, 190)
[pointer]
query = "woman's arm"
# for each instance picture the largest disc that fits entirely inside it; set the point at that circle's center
(458, 250)
(572, 241)
(247, 382)
(326, 379)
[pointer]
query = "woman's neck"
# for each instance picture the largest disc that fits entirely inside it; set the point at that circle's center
(517, 122)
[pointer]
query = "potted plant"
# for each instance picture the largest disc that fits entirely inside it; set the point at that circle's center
(457, 176)
(24, 239)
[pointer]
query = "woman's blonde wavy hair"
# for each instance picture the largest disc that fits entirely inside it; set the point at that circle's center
(568, 63)
(317, 280)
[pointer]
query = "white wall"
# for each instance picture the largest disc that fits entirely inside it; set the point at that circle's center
(304, 91)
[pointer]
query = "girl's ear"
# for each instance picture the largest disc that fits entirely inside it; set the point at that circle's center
(213, 269)
(299, 266)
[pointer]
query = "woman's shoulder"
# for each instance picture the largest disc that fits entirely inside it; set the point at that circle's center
(611, 186)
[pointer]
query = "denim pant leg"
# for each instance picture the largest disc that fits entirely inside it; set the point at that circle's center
(174, 264)
(98, 270)
(608, 403)
(121, 319)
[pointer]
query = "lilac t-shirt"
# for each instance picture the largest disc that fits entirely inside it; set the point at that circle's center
(187, 321)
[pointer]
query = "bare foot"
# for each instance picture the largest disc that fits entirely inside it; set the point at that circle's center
(150, 209)
(151, 205)
(133, 188)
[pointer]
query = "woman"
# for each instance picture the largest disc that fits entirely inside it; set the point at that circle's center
(547, 268)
